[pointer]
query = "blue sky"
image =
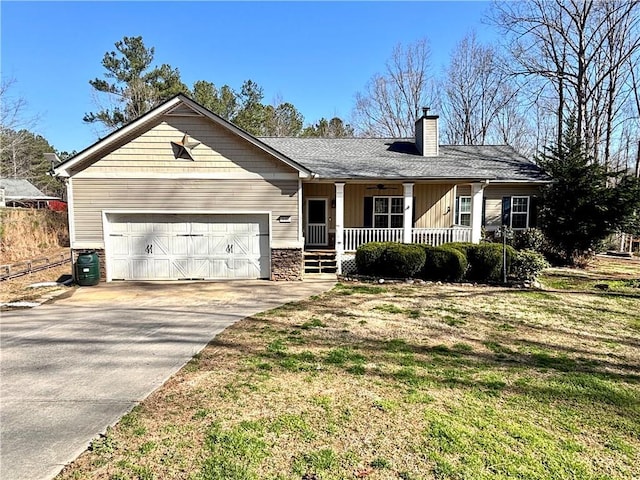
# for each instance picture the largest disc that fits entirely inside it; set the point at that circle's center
(316, 55)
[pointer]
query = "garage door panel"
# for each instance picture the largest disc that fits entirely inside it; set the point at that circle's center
(180, 268)
(120, 245)
(121, 268)
(174, 246)
(162, 268)
(140, 269)
(179, 245)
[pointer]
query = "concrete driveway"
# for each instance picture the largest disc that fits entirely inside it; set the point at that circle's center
(71, 368)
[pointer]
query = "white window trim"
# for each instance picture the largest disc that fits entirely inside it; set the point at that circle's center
(528, 212)
(388, 214)
(459, 212)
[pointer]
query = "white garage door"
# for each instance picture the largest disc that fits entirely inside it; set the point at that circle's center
(183, 247)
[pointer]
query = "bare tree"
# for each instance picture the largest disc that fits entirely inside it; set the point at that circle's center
(389, 105)
(15, 124)
(476, 91)
(580, 49)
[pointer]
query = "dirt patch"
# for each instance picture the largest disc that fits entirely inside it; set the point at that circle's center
(17, 289)
(29, 233)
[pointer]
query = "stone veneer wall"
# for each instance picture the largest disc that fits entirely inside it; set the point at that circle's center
(286, 264)
(101, 258)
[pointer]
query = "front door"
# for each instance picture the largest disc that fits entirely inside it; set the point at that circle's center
(317, 222)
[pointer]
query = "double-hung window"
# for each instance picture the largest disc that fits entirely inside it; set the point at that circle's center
(388, 212)
(463, 211)
(519, 212)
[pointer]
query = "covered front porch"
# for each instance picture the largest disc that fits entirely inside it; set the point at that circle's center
(341, 216)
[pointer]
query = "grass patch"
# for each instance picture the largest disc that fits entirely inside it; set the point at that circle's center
(418, 381)
(389, 308)
(342, 289)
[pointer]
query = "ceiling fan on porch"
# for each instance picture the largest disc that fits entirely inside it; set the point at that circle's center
(381, 186)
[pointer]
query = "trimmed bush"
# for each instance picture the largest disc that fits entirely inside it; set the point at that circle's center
(527, 264)
(461, 246)
(485, 262)
(444, 263)
(389, 259)
(369, 257)
(402, 261)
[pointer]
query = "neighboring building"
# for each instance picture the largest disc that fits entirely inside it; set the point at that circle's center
(181, 193)
(18, 192)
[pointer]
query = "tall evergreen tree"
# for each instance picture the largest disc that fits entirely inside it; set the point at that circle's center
(132, 85)
(585, 203)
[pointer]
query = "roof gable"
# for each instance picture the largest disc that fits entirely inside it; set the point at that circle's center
(180, 105)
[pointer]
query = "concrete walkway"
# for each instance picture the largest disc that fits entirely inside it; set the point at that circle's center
(70, 369)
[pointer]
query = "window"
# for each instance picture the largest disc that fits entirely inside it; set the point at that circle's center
(519, 212)
(463, 211)
(388, 212)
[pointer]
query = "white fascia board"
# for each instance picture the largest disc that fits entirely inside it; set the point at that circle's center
(63, 169)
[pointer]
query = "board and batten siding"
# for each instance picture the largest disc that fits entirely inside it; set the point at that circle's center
(219, 151)
(433, 202)
(92, 196)
(493, 194)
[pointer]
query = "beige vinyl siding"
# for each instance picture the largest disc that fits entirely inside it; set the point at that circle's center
(92, 196)
(220, 151)
(493, 203)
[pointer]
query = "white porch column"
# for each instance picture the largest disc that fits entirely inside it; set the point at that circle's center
(476, 211)
(339, 225)
(408, 212)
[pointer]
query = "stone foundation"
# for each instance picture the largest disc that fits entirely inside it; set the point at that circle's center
(101, 257)
(286, 264)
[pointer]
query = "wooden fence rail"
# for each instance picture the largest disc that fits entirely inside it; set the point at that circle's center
(14, 270)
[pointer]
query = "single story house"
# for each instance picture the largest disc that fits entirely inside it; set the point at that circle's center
(181, 193)
(19, 192)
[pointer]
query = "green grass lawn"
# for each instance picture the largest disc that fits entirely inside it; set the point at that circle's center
(403, 382)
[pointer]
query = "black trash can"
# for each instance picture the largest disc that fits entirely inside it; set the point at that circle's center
(87, 271)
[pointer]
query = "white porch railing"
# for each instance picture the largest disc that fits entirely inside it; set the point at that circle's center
(354, 237)
(316, 234)
(438, 236)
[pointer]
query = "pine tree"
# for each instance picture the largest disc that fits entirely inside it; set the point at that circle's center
(585, 203)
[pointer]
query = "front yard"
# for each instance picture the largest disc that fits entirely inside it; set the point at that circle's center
(405, 382)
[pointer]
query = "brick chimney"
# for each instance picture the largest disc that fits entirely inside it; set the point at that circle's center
(427, 135)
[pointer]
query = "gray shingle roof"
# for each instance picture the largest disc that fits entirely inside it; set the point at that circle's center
(388, 158)
(21, 189)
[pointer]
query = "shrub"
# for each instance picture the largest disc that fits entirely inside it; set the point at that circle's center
(444, 263)
(527, 264)
(461, 246)
(402, 260)
(485, 262)
(530, 239)
(369, 256)
(390, 259)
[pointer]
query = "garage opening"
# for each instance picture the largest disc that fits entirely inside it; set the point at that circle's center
(187, 246)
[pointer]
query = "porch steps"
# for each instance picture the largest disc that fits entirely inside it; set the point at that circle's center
(320, 261)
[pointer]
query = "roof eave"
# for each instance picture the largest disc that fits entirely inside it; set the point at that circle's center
(65, 168)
